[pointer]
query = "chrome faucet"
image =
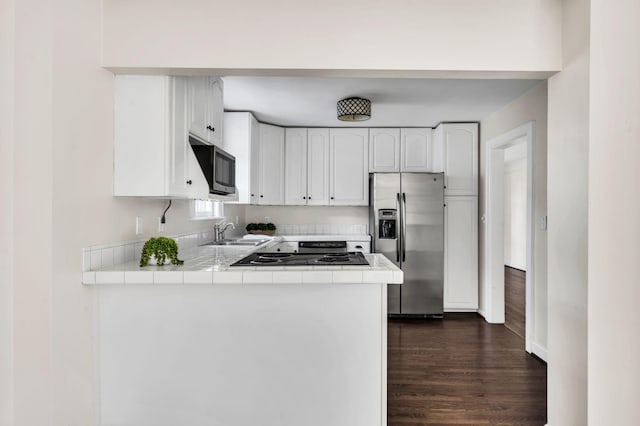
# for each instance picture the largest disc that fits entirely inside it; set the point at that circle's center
(219, 232)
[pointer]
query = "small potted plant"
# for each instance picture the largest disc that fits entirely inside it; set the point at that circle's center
(158, 251)
(261, 228)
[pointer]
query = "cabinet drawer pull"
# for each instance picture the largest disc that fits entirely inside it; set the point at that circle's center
(189, 182)
(262, 196)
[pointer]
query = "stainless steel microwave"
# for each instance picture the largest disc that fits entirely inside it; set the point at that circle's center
(218, 166)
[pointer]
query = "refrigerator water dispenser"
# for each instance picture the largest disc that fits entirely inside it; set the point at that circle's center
(387, 224)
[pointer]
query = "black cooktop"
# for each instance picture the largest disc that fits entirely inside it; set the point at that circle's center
(302, 259)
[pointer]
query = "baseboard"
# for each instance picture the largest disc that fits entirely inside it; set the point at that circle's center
(460, 310)
(483, 314)
(539, 351)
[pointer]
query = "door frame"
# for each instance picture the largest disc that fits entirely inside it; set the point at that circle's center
(494, 288)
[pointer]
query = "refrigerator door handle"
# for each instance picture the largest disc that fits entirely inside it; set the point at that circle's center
(404, 227)
(397, 236)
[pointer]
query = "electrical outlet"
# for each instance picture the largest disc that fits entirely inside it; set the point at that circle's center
(160, 225)
(543, 223)
(139, 225)
(236, 220)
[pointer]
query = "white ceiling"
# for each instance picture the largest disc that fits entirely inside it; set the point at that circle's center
(305, 101)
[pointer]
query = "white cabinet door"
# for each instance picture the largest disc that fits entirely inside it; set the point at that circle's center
(318, 167)
(461, 253)
(254, 165)
(198, 107)
(416, 149)
(349, 169)
(384, 150)
(180, 168)
(241, 140)
(295, 166)
(460, 158)
(271, 165)
(215, 111)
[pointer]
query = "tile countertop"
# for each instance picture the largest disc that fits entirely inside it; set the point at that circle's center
(210, 265)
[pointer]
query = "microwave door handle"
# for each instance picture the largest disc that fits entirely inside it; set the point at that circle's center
(397, 234)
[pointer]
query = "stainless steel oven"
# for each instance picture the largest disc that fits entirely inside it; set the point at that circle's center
(322, 246)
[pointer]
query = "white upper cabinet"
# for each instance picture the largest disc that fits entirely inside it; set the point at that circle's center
(152, 155)
(206, 108)
(349, 169)
(461, 253)
(295, 166)
(318, 152)
(401, 150)
(271, 168)
(384, 150)
(241, 139)
(416, 150)
(307, 166)
(460, 157)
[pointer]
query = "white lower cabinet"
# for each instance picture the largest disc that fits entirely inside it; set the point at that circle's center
(349, 169)
(152, 155)
(461, 253)
(271, 165)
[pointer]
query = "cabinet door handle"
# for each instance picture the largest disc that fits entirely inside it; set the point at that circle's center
(304, 198)
(211, 128)
(332, 198)
(189, 182)
(262, 196)
(309, 198)
(253, 195)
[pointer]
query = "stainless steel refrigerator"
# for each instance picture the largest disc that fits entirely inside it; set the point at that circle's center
(406, 214)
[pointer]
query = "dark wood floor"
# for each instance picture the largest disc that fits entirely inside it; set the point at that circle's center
(462, 371)
(514, 300)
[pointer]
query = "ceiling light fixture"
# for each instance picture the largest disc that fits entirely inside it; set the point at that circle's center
(354, 109)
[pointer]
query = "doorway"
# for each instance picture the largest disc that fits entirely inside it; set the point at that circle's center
(501, 152)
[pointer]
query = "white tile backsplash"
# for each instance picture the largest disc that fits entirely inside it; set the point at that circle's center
(323, 229)
(107, 257)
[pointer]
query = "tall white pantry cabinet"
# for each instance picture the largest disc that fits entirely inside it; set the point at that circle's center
(458, 143)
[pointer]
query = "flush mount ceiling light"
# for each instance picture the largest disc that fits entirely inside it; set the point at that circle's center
(354, 109)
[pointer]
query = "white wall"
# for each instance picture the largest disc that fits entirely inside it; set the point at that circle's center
(531, 106)
(515, 213)
(59, 182)
(568, 201)
(614, 202)
(6, 212)
(290, 35)
(303, 215)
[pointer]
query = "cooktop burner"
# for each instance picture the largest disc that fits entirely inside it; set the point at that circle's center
(302, 259)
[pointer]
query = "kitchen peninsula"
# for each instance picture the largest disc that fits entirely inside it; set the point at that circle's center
(207, 343)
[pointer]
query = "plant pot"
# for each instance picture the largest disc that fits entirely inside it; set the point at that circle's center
(256, 232)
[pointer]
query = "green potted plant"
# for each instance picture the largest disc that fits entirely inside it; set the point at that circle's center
(158, 251)
(261, 228)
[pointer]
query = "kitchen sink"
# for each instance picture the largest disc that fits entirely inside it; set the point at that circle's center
(240, 242)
